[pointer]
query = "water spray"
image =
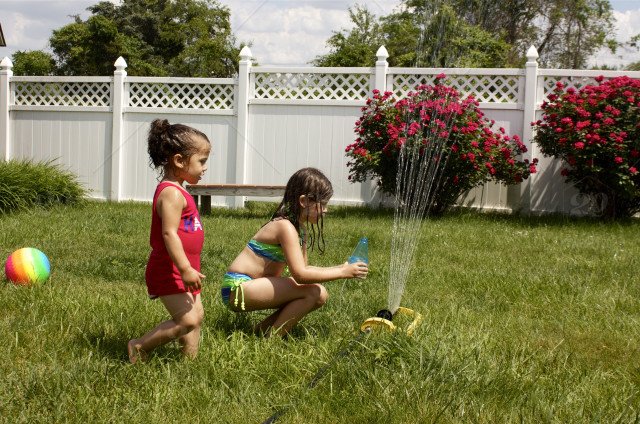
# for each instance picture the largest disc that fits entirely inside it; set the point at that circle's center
(382, 320)
(420, 169)
(420, 174)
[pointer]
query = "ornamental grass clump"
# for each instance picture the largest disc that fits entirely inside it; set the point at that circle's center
(25, 184)
(471, 151)
(595, 131)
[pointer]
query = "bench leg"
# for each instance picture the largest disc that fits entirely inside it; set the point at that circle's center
(205, 205)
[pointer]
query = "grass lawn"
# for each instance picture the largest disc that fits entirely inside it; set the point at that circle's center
(525, 320)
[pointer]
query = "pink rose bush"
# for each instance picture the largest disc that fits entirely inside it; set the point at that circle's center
(473, 152)
(595, 131)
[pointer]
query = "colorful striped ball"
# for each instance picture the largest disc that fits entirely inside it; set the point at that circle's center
(27, 266)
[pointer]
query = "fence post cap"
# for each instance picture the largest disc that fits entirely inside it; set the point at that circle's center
(6, 63)
(245, 53)
(382, 53)
(532, 54)
(120, 64)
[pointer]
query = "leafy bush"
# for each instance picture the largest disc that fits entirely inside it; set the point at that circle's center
(24, 184)
(596, 132)
(435, 115)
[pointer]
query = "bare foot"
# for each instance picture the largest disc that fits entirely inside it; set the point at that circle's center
(135, 353)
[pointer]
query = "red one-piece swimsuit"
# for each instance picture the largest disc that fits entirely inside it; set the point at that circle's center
(162, 275)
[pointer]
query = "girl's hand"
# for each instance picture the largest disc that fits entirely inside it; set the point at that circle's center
(356, 270)
(192, 278)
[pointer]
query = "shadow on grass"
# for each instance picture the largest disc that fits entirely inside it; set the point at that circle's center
(251, 210)
(109, 346)
(228, 323)
(264, 211)
(114, 348)
(539, 220)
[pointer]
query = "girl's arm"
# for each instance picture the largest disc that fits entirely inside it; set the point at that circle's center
(304, 248)
(301, 271)
(169, 206)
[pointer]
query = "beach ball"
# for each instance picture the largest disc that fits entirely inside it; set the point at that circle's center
(27, 266)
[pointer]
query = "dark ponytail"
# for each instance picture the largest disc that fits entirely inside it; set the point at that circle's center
(166, 140)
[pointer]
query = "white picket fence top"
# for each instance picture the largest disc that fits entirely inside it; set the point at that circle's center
(493, 88)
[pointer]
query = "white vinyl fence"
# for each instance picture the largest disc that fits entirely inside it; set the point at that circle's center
(264, 124)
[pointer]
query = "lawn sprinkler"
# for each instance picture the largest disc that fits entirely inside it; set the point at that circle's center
(382, 321)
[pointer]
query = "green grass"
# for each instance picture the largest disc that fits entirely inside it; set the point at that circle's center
(525, 320)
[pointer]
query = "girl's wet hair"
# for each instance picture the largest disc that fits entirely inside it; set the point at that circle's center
(166, 140)
(316, 187)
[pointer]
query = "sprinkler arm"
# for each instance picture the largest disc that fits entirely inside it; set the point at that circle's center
(378, 323)
(417, 318)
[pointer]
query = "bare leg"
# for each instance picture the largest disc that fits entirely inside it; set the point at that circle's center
(265, 324)
(187, 314)
(292, 300)
(190, 342)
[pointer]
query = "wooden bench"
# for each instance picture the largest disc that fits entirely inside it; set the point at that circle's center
(205, 191)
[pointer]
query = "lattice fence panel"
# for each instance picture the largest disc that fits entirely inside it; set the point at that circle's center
(576, 82)
(485, 88)
(311, 86)
(29, 93)
(181, 95)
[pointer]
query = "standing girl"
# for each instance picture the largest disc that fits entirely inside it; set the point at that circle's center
(254, 279)
(173, 270)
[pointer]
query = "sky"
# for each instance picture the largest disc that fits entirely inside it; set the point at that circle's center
(282, 32)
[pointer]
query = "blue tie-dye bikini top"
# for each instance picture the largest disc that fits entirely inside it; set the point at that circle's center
(272, 252)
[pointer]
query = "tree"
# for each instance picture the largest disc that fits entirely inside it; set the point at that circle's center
(32, 62)
(565, 32)
(189, 38)
(356, 47)
(570, 31)
(484, 33)
(634, 43)
(414, 37)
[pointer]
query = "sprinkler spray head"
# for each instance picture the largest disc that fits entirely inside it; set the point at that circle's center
(385, 313)
(382, 321)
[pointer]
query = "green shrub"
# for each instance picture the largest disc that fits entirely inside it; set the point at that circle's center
(596, 133)
(435, 119)
(25, 184)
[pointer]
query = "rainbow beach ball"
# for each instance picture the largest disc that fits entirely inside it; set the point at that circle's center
(27, 266)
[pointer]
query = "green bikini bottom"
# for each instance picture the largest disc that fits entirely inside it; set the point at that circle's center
(232, 281)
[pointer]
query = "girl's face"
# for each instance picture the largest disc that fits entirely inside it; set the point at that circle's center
(312, 210)
(194, 168)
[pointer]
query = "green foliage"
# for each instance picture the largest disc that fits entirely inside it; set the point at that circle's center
(32, 62)
(476, 33)
(190, 38)
(441, 40)
(443, 129)
(570, 32)
(440, 37)
(596, 133)
(512, 332)
(635, 66)
(25, 184)
(356, 47)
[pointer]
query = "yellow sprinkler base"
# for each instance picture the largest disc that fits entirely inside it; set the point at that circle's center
(378, 323)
